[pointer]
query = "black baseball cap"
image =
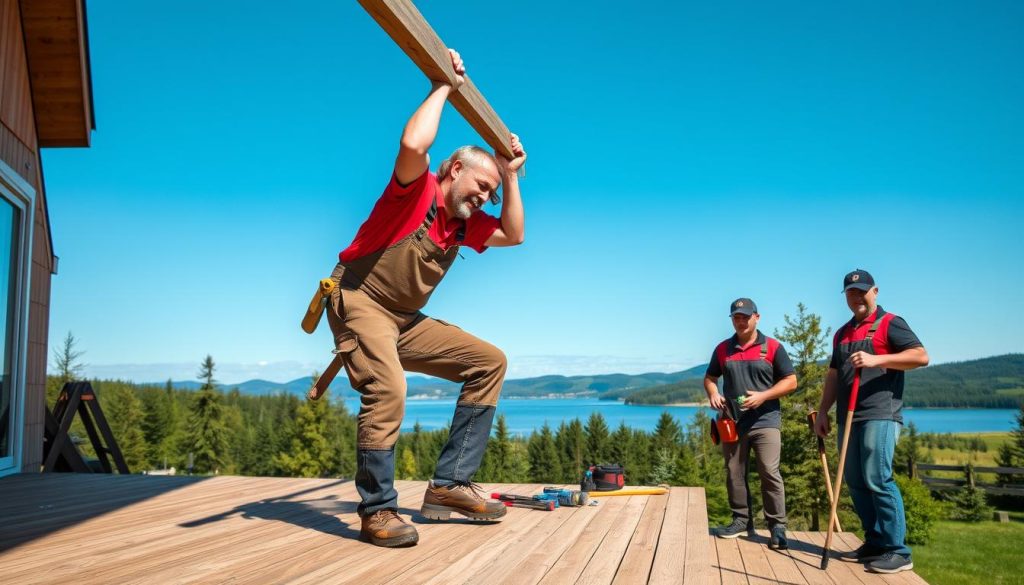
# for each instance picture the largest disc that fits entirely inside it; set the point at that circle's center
(858, 279)
(743, 306)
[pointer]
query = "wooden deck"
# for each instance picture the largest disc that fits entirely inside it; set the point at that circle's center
(60, 528)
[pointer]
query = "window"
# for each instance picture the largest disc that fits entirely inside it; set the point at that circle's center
(16, 199)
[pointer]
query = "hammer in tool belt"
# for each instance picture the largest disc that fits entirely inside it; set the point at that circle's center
(309, 323)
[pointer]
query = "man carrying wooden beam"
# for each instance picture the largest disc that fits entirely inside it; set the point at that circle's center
(384, 278)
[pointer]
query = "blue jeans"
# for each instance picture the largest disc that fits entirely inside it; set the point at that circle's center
(467, 441)
(868, 474)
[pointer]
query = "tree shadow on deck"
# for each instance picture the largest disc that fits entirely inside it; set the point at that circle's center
(319, 514)
(33, 505)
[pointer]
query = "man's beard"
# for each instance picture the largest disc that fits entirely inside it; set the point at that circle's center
(463, 210)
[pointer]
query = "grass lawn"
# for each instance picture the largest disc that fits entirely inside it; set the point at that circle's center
(970, 553)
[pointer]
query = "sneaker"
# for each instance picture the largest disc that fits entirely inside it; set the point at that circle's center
(778, 538)
(865, 553)
(462, 498)
(891, 563)
(735, 529)
(387, 528)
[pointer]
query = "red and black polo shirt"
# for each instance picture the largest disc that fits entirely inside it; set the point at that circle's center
(757, 367)
(881, 390)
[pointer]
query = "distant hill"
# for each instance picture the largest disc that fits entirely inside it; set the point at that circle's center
(993, 382)
(605, 386)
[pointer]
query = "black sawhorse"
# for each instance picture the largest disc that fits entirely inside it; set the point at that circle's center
(59, 453)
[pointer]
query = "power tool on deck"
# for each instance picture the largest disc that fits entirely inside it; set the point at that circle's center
(566, 497)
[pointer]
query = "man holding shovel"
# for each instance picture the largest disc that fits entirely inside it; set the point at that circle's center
(757, 373)
(877, 347)
(384, 278)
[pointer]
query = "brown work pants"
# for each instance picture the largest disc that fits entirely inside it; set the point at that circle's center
(378, 346)
(767, 444)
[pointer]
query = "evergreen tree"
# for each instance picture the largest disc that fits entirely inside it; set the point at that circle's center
(208, 434)
(807, 501)
(156, 423)
(545, 465)
(261, 461)
(641, 459)
(68, 365)
(619, 450)
(664, 467)
(505, 461)
(908, 451)
(571, 444)
(67, 361)
(125, 415)
(310, 454)
(406, 465)
(667, 433)
(597, 445)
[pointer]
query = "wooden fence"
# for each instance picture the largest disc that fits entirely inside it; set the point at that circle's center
(970, 478)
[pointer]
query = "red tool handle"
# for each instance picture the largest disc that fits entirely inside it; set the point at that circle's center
(854, 391)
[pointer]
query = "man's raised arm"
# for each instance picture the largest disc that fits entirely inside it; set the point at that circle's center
(421, 129)
(513, 220)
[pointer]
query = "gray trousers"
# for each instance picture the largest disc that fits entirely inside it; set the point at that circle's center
(767, 444)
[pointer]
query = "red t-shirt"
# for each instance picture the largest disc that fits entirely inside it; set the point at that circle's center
(401, 210)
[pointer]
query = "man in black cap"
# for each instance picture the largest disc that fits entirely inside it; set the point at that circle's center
(881, 346)
(757, 373)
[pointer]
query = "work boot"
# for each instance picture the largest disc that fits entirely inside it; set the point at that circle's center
(386, 528)
(462, 497)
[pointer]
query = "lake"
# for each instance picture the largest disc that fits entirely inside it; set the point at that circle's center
(526, 414)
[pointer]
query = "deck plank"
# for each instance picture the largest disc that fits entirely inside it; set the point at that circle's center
(94, 528)
(576, 541)
(635, 566)
(807, 557)
(755, 562)
(568, 565)
(670, 558)
(784, 567)
(700, 548)
(730, 561)
(605, 562)
(435, 544)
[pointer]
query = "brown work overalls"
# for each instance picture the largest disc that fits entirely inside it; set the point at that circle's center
(380, 334)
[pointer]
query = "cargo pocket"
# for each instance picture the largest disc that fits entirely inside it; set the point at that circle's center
(356, 365)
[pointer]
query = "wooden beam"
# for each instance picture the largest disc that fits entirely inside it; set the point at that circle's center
(407, 27)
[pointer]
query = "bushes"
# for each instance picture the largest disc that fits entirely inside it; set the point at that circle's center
(969, 505)
(921, 509)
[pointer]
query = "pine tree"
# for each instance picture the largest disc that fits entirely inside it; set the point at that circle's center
(619, 449)
(125, 415)
(545, 466)
(310, 454)
(207, 437)
(1011, 453)
(155, 423)
(571, 444)
(807, 502)
(406, 467)
(68, 366)
(664, 466)
(67, 361)
(667, 433)
(908, 451)
(504, 461)
(597, 446)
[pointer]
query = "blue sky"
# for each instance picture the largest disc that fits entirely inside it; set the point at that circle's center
(680, 156)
